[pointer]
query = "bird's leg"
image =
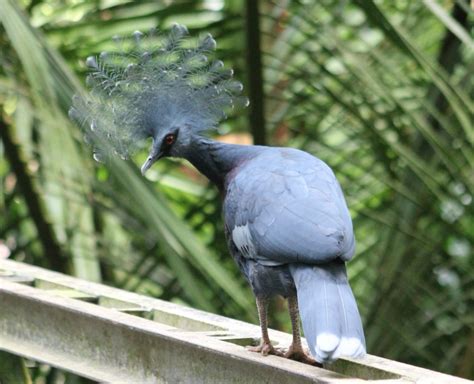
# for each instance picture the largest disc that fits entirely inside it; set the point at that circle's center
(296, 351)
(265, 347)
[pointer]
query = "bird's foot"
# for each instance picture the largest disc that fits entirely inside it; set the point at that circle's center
(299, 354)
(265, 349)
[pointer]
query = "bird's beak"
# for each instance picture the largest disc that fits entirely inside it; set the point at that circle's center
(152, 158)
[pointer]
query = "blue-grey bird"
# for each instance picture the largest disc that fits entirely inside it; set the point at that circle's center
(286, 220)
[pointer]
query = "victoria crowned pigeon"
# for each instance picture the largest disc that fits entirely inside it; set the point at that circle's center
(286, 220)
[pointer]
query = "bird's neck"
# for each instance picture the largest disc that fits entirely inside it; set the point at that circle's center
(216, 160)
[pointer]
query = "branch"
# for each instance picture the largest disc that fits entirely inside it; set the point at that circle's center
(52, 250)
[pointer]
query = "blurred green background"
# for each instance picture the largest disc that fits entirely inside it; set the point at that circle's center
(380, 90)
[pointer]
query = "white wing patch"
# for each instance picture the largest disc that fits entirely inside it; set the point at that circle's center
(243, 240)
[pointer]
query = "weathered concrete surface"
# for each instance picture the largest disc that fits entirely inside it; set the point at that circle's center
(111, 335)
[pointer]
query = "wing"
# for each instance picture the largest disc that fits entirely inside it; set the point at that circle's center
(286, 206)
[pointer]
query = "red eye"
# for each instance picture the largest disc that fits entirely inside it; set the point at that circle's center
(169, 139)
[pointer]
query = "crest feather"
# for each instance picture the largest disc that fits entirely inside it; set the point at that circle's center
(150, 82)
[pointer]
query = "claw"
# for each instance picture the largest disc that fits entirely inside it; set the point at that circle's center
(265, 349)
(299, 354)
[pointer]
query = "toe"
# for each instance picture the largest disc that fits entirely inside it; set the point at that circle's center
(301, 356)
(253, 348)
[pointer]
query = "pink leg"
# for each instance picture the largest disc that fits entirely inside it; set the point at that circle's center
(265, 347)
(296, 352)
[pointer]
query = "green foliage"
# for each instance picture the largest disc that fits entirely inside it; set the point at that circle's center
(13, 370)
(381, 90)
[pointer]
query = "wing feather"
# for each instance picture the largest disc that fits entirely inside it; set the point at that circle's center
(293, 206)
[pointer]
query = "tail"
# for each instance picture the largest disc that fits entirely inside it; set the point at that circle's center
(331, 320)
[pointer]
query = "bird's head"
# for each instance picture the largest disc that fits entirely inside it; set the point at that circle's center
(172, 142)
(171, 124)
(161, 147)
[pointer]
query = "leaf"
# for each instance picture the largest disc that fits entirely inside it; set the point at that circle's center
(13, 369)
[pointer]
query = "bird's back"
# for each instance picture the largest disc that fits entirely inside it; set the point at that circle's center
(284, 205)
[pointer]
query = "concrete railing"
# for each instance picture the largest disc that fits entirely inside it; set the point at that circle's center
(110, 335)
